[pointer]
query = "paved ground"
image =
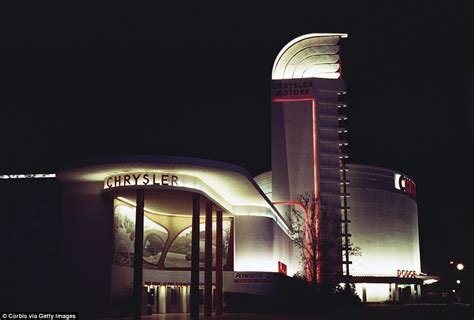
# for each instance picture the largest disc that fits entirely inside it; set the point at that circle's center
(229, 316)
(375, 312)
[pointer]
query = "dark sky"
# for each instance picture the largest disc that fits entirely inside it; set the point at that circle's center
(194, 80)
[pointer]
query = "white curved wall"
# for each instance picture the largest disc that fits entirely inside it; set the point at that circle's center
(384, 224)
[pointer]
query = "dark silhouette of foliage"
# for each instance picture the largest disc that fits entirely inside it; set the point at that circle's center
(326, 241)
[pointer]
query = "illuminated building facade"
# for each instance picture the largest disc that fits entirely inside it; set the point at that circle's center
(372, 209)
(104, 195)
(384, 225)
(242, 241)
(307, 130)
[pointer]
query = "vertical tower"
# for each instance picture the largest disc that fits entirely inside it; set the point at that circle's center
(308, 139)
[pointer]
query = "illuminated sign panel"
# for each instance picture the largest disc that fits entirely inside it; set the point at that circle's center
(141, 179)
(28, 176)
(292, 88)
(406, 273)
(282, 268)
(405, 184)
(255, 277)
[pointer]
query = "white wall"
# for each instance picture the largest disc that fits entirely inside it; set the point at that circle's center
(386, 230)
(374, 292)
(292, 150)
(384, 224)
(260, 244)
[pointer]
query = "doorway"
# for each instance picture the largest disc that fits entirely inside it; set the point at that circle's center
(173, 303)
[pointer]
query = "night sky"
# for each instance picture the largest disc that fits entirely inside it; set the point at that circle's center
(194, 80)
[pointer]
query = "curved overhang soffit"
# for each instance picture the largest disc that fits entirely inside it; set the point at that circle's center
(314, 55)
(228, 186)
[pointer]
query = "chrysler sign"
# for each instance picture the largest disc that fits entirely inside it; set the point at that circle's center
(163, 180)
(141, 179)
(405, 184)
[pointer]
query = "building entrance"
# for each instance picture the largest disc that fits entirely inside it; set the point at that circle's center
(404, 293)
(173, 303)
(167, 298)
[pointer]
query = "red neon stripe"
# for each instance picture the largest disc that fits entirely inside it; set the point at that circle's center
(316, 190)
(315, 174)
(293, 99)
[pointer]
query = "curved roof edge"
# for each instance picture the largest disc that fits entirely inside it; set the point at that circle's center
(154, 158)
(298, 39)
(263, 175)
(369, 166)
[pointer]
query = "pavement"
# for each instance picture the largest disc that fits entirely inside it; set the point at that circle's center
(227, 316)
(375, 312)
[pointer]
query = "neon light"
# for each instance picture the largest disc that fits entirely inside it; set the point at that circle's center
(28, 176)
(133, 204)
(315, 173)
(430, 281)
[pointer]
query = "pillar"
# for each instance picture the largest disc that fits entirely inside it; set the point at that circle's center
(208, 263)
(182, 301)
(138, 257)
(194, 295)
(187, 297)
(154, 308)
(162, 299)
(218, 295)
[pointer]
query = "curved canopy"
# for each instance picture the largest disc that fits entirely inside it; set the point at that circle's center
(229, 186)
(314, 55)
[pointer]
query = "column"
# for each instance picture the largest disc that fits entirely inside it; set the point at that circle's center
(155, 300)
(208, 263)
(182, 301)
(194, 295)
(218, 263)
(138, 256)
(162, 299)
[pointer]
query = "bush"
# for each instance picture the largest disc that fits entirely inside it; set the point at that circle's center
(347, 295)
(246, 302)
(296, 295)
